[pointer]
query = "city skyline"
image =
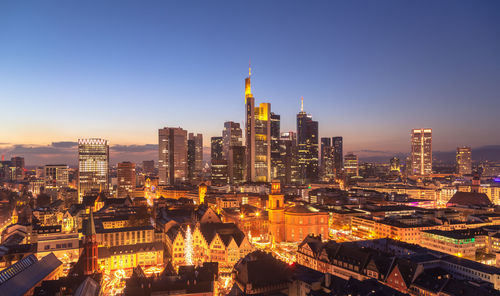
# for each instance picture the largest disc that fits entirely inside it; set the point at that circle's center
(250, 148)
(382, 89)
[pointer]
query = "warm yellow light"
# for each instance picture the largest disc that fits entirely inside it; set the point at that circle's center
(242, 216)
(257, 214)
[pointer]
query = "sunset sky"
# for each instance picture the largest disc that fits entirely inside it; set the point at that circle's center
(369, 72)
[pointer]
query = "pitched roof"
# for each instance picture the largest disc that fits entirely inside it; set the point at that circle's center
(23, 280)
(88, 287)
(262, 269)
(407, 269)
(470, 199)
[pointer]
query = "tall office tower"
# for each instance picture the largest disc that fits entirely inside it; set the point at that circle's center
(195, 156)
(327, 159)
(236, 165)
(258, 137)
(307, 140)
(6, 170)
(93, 166)
(148, 166)
(232, 149)
(216, 148)
(421, 151)
(56, 175)
(351, 166)
(191, 151)
(18, 165)
(464, 161)
(288, 152)
(337, 143)
(218, 164)
(172, 160)
(395, 165)
(231, 136)
(125, 174)
(218, 172)
(276, 163)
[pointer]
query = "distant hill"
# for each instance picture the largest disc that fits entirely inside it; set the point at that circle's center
(489, 152)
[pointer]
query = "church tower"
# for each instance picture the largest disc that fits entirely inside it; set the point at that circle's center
(276, 212)
(90, 246)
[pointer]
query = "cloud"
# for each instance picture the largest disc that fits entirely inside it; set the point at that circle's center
(135, 148)
(39, 155)
(64, 144)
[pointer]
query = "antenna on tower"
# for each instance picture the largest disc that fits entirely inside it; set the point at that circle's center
(249, 68)
(301, 104)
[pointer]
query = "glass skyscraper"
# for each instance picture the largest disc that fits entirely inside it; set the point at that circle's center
(93, 166)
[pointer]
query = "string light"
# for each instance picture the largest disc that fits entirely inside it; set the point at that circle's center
(188, 249)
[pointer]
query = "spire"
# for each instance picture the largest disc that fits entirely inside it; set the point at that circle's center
(248, 88)
(301, 104)
(90, 229)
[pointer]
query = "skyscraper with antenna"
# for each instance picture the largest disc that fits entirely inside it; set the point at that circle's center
(307, 142)
(257, 136)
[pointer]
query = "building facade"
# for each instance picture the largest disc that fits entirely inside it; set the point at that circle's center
(125, 178)
(234, 152)
(337, 143)
(195, 157)
(288, 152)
(351, 165)
(307, 142)
(56, 175)
(93, 166)
(172, 158)
(464, 161)
(327, 159)
(421, 151)
(276, 162)
(258, 137)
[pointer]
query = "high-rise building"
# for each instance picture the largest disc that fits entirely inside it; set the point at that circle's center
(234, 152)
(231, 136)
(126, 179)
(172, 160)
(276, 163)
(56, 175)
(421, 151)
(218, 172)
(351, 166)
(258, 137)
(195, 156)
(288, 152)
(327, 159)
(337, 143)
(6, 170)
(216, 148)
(236, 165)
(191, 156)
(464, 161)
(18, 165)
(218, 164)
(93, 166)
(395, 165)
(307, 140)
(148, 166)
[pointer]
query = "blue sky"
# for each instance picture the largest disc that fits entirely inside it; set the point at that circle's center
(368, 70)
